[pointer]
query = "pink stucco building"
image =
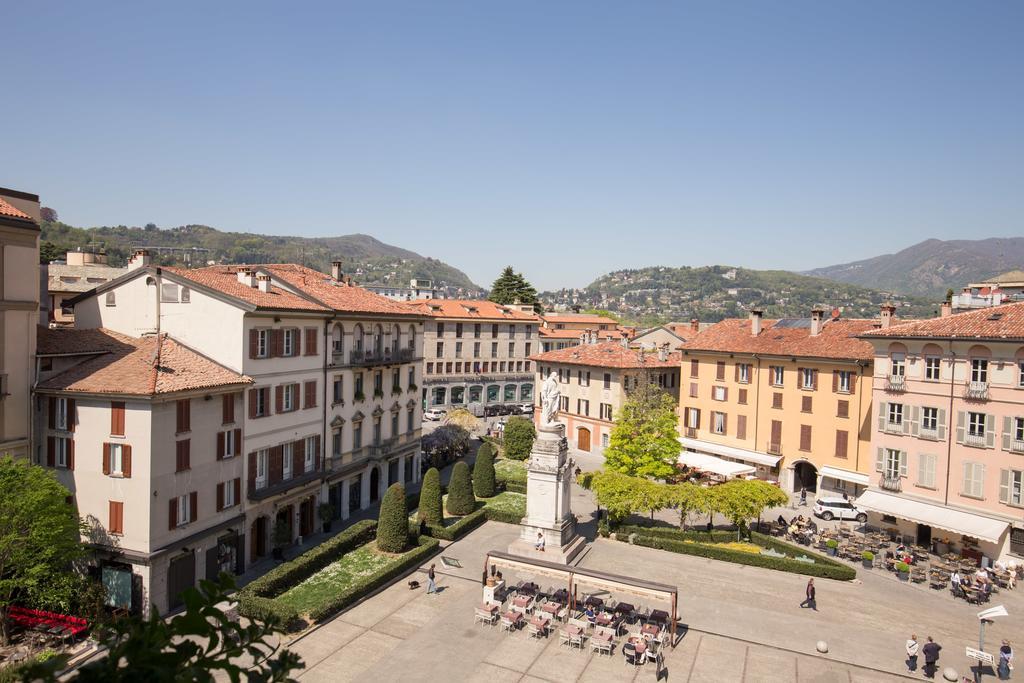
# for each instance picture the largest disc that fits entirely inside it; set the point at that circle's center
(948, 433)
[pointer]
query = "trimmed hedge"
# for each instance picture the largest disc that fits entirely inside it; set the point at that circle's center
(504, 516)
(429, 507)
(393, 521)
(675, 540)
(460, 528)
(513, 486)
(460, 491)
(284, 576)
(264, 609)
(483, 473)
(426, 548)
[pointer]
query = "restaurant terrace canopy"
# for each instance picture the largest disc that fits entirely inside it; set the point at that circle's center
(573, 577)
(709, 463)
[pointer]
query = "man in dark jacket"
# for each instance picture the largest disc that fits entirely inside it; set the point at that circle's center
(931, 657)
(809, 601)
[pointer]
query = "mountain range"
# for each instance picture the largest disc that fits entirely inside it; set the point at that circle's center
(931, 267)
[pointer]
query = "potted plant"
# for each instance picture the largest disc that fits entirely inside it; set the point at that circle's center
(326, 512)
(358, 396)
(903, 570)
(832, 545)
(868, 558)
(281, 537)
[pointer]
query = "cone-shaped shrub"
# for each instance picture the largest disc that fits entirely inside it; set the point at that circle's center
(393, 523)
(430, 497)
(483, 472)
(460, 491)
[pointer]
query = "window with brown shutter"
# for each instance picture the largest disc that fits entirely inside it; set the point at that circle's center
(220, 497)
(51, 451)
(720, 370)
(238, 490)
(775, 444)
(805, 437)
(51, 413)
(843, 409)
(71, 415)
(279, 398)
(298, 457)
(693, 389)
(310, 399)
(115, 524)
(776, 400)
(841, 440)
(193, 505)
(742, 396)
(278, 343)
(310, 340)
(694, 364)
(71, 454)
(805, 404)
(184, 415)
(227, 409)
(254, 343)
(835, 381)
(183, 455)
(253, 402)
(172, 514)
(220, 445)
(106, 458)
(126, 461)
(117, 418)
(741, 426)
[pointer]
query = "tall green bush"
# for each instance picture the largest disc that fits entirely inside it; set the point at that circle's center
(393, 524)
(518, 438)
(460, 491)
(430, 509)
(483, 472)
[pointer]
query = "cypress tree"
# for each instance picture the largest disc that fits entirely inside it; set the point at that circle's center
(430, 509)
(460, 491)
(483, 472)
(393, 523)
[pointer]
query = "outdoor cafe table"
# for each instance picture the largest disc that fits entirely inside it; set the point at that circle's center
(624, 608)
(488, 607)
(514, 617)
(523, 601)
(603, 619)
(639, 644)
(551, 607)
(658, 616)
(593, 601)
(650, 630)
(541, 623)
(528, 589)
(561, 595)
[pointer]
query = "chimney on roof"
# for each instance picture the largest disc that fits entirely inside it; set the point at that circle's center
(584, 337)
(888, 313)
(247, 276)
(624, 342)
(694, 325)
(140, 259)
(263, 281)
(336, 273)
(945, 309)
(663, 352)
(817, 316)
(755, 321)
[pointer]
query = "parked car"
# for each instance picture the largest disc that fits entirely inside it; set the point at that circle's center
(834, 507)
(526, 409)
(490, 411)
(434, 414)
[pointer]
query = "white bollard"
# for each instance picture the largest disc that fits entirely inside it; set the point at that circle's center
(949, 673)
(822, 646)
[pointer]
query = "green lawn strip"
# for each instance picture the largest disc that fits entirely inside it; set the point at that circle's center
(335, 578)
(506, 507)
(510, 470)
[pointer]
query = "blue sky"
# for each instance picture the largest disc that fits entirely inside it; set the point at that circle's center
(567, 139)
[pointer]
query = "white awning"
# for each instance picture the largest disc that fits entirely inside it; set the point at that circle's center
(731, 452)
(710, 463)
(984, 528)
(844, 475)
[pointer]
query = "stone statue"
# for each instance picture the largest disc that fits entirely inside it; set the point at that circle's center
(550, 398)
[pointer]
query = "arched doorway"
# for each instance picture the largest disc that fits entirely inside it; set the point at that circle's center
(805, 475)
(583, 439)
(374, 484)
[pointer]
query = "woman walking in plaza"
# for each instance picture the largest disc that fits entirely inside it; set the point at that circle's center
(809, 600)
(1005, 665)
(912, 648)
(431, 586)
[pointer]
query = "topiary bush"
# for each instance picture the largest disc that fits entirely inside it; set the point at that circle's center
(460, 491)
(518, 438)
(430, 498)
(483, 473)
(393, 523)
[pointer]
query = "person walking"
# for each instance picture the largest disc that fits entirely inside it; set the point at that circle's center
(912, 648)
(803, 496)
(809, 601)
(1005, 665)
(931, 657)
(954, 579)
(431, 576)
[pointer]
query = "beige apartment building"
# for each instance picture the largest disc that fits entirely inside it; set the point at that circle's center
(82, 270)
(19, 315)
(562, 330)
(786, 400)
(477, 353)
(331, 412)
(595, 378)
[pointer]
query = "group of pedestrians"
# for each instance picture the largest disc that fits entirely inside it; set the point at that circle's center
(930, 651)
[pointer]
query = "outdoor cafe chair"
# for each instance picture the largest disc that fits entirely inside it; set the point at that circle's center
(485, 617)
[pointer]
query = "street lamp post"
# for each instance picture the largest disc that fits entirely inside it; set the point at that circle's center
(985, 617)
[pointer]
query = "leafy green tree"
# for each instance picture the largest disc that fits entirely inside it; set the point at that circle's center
(196, 645)
(393, 522)
(461, 417)
(623, 495)
(430, 509)
(687, 498)
(511, 287)
(40, 534)
(48, 251)
(644, 441)
(483, 472)
(460, 491)
(518, 438)
(742, 500)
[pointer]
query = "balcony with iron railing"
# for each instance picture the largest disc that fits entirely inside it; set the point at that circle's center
(891, 482)
(976, 391)
(896, 383)
(893, 427)
(386, 356)
(690, 432)
(929, 433)
(774, 448)
(1017, 445)
(976, 440)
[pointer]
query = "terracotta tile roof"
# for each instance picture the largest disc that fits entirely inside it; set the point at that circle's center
(322, 287)
(550, 333)
(10, 211)
(788, 337)
(578, 318)
(69, 341)
(224, 279)
(997, 322)
(468, 309)
(607, 355)
(58, 274)
(133, 365)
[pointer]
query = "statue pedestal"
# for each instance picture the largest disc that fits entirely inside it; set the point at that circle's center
(548, 510)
